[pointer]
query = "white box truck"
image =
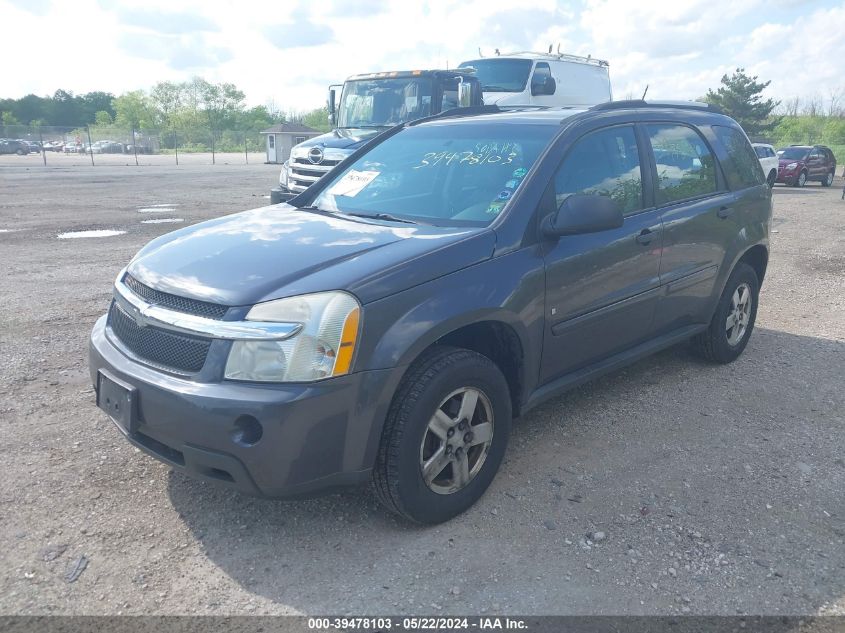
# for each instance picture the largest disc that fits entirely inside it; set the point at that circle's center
(544, 79)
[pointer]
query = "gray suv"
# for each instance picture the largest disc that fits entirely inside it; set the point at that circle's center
(390, 322)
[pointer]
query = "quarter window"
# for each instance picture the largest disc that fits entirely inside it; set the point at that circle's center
(743, 169)
(685, 166)
(606, 163)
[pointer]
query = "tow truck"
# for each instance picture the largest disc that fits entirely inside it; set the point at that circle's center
(368, 105)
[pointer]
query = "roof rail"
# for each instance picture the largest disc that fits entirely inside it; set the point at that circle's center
(557, 56)
(640, 103)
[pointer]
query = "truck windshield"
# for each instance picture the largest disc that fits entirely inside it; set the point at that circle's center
(384, 102)
(451, 173)
(501, 75)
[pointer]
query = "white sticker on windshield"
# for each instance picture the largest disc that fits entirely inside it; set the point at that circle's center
(352, 183)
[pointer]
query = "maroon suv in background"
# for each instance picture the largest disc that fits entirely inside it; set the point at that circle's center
(799, 163)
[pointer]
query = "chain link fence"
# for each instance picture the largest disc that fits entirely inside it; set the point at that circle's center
(112, 145)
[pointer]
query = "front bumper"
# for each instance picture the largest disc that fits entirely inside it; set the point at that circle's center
(787, 176)
(315, 436)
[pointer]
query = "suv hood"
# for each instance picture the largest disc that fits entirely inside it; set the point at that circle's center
(280, 251)
(345, 138)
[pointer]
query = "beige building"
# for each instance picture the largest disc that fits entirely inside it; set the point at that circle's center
(283, 136)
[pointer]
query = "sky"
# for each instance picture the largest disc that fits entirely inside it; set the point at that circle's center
(286, 53)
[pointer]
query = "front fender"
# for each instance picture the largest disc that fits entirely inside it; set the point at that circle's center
(509, 289)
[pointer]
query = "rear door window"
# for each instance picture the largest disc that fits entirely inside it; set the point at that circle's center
(685, 165)
(743, 170)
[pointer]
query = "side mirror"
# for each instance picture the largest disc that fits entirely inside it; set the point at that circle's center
(544, 86)
(583, 213)
(331, 104)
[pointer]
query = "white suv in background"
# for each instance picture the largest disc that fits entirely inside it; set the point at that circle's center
(768, 161)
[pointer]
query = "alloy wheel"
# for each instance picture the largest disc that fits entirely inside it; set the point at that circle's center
(456, 441)
(739, 314)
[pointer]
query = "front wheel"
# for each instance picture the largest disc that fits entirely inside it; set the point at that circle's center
(730, 328)
(802, 179)
(444, 437)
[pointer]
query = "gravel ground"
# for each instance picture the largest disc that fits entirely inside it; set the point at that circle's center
(716, 490)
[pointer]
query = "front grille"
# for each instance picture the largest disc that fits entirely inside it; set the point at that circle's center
(324, 165)
(167, 349)
(175, 302)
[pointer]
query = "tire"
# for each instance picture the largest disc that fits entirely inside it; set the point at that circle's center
(441, 381)
(801, 180)
(19, 152)
(773, 176)
(828, 180)
(715, 343)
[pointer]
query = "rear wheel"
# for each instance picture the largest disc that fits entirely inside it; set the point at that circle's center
(730, 328)
(828, 180)
(19, 152)
(444, 437)
(773, 175)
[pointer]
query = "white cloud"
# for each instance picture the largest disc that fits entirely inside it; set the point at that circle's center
(289, 52)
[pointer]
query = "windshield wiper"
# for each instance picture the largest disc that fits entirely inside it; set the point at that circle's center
(384, 216)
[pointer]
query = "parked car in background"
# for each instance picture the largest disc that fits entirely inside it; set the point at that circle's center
(34, 146)
(768, 161)
(73, 148)
(13, 146)
(53, 146)
(800, 163)
(460, 270)
(109, 147)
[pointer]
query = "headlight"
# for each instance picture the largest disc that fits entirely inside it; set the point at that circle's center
(792, 165)
(323, 348)
(283, 175)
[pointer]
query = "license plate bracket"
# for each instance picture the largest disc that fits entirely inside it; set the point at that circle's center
(118, 399)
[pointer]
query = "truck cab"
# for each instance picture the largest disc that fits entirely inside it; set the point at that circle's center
(368, 105)
(554, 79)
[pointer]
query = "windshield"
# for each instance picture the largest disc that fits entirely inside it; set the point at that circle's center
(450, 174)
(501, 75)
(793, 153)
(384, 102)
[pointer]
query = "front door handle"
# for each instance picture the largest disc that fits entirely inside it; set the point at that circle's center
(724, 212)
(646, 236)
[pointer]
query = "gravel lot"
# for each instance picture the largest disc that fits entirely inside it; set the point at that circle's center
(719, 490)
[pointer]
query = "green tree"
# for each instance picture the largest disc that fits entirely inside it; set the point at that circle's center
(167, 98)
(740, 97)
(7, 118)
(133, 109)
(318, 119)
(223, 102)
(103, 118)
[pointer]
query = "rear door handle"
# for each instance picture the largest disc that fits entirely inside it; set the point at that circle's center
(724, 212)
(646, 236)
